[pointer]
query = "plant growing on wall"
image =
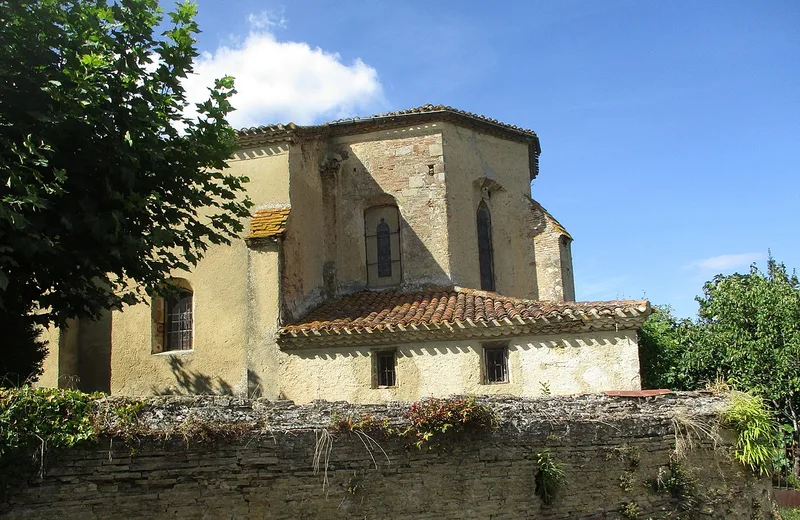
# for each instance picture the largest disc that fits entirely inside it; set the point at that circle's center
(549, 477)
(757, 435)
(433, 421)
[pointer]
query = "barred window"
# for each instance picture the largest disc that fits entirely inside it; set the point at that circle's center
(173, 318)
(385, 368)
(178, 326)
(496, 364)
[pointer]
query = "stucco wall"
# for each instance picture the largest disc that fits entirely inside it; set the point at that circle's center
(564, 364)
(612, 451)
(303, 247)
(471, 156)
(235, 312)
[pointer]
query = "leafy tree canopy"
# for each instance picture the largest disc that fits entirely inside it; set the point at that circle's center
(747, 333)
(106, 185)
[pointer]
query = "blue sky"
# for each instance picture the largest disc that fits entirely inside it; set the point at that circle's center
(670, 130)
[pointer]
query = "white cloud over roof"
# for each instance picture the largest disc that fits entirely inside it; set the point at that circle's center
(283, 81)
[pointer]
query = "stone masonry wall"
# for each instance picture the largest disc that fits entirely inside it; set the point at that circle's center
(612, 450)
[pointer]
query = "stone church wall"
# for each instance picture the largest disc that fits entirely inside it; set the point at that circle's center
(614, 453)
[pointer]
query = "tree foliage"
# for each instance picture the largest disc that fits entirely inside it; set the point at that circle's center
(106, 184)
(747, 333)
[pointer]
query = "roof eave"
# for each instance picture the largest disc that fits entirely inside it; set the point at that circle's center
(292, 339)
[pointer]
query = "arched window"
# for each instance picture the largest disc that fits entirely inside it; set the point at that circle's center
(485, 251)
(173, 318)
(382, 240)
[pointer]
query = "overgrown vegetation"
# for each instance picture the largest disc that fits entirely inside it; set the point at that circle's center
(757, 435)
(747, 334)
(34, 422)
(549, 477)
(433, 422)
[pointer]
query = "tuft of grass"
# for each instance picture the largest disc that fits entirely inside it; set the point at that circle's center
(757, 433)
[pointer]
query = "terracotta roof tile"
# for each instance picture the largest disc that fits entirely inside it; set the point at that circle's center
(268, 223)
(368, 311)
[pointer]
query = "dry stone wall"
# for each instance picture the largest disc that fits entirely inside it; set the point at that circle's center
(258, 462)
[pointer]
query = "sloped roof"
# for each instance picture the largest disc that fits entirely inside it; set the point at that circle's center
(391, 316)
(285, 132)
(269, 223)
(557, 227)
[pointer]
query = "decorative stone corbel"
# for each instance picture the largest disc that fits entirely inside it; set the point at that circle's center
(487, 187)
(331, 165)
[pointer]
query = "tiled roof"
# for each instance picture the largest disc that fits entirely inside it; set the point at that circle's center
(367, 316)
(268, 223)
(430, 109)
(272, 133)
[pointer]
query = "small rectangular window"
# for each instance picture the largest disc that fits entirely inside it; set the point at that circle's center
(496, 364)
(385, 368)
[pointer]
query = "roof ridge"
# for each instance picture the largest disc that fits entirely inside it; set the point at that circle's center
(288, 129)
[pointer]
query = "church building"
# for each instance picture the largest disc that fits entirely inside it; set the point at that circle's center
(391, 257)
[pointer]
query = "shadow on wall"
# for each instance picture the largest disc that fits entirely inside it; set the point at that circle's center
(347, 193)
(192, 382)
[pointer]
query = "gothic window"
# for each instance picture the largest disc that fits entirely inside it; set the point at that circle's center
(384, 250)
(485, 252)
(382, 239)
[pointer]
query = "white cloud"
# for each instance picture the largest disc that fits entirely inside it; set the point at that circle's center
(266, 20)
(282, 81)
(726, 262)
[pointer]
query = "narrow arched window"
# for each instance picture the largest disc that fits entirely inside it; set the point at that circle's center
(382, 240)
(384, 235)
(485, 251)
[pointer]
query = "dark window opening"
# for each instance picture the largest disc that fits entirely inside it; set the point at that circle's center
(496, 364)
(485, 251)
(382, 241)
(385, 365)
(178, 326)
(384, 250)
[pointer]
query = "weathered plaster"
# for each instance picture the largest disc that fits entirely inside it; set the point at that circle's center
(566, 364)
(471, 158)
